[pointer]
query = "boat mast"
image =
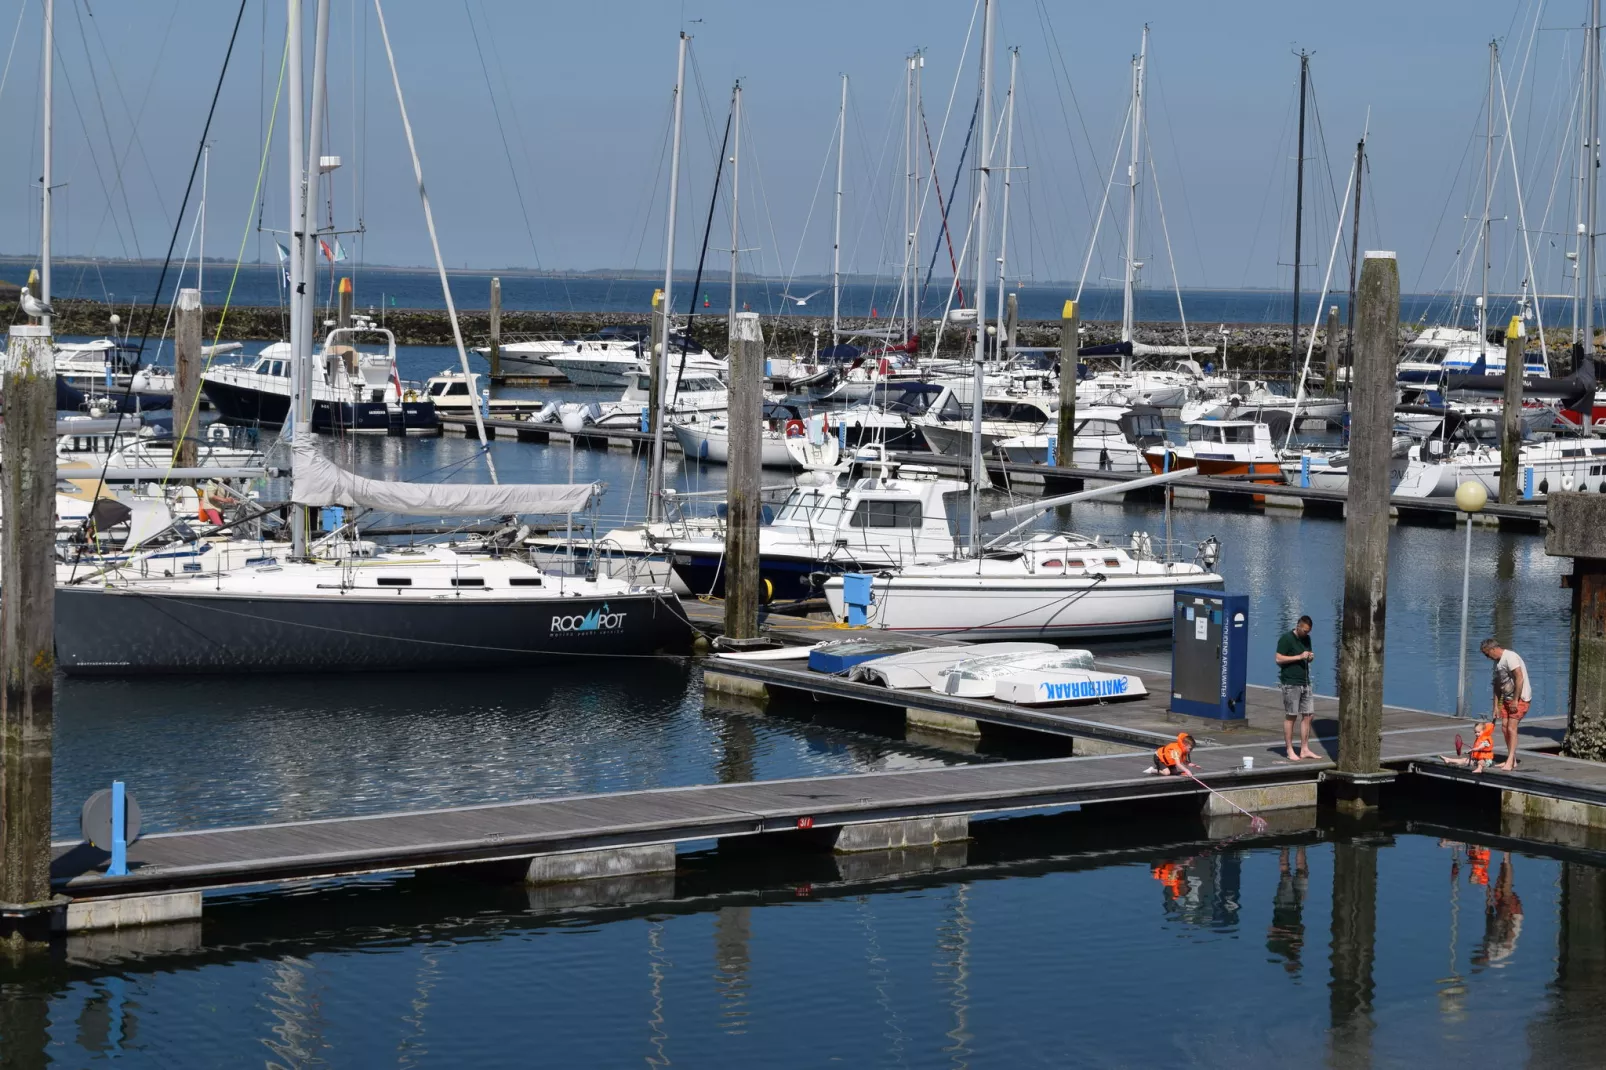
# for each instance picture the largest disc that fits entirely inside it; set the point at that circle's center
(1133, 171)
(655, 475)
(736, 190)
(49, 139)
(836, 241)
(978, 470)
(1592, 170)
(298, 371)
(1354, 259)
(1488, 203)
(915, 135)
(1299, 213)
(1009, 157)
(907, 297)
(307, 221)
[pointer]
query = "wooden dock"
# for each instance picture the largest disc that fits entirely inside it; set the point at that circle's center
(524, 431)
(1238, 492)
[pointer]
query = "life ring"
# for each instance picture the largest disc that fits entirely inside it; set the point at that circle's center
(795, 429)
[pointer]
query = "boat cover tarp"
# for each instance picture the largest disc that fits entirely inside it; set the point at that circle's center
(319, 481)
(1576, 391)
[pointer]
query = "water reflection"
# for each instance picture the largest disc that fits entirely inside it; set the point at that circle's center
(1285, 937)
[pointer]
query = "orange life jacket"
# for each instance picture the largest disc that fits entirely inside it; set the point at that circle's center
(1171, 754)
(1173, 876)
(1479, 857)
(1483, 744)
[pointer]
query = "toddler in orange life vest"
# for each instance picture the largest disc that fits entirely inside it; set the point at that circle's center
(1173, 757)
(1482, 752)
(1173, 876)
(1479, 857)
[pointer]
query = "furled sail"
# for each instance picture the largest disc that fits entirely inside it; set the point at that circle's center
(318, 481)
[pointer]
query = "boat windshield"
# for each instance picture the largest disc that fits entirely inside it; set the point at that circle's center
(1221, 433)
(1422, 355)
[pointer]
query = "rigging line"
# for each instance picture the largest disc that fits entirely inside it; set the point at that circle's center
(1176, 285)
(22, 9)
(1104, 205)
(179, 434)
(72, 95)
(1053, 35)
(1522, 221)
(134, 142)
(161, 280)
(959, 169)
(119, 187)
(652, 190)
(434, 240)
(932, 182)
(1187, 211)
(814, 201)
(946, 208)
(702, 258)
(507, 151)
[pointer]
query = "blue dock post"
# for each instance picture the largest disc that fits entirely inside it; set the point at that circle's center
(645, 417)
(485, 404)
(1053, 445)
(119, 864)
(1304, 471)
(842, 436)
(1528, 482)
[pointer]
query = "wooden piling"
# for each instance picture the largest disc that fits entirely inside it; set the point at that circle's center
(1011, 318)
(27, 614)
(742, 594)
(186, 376)
(1064, 444)
(1366, 527)
(347, 298)
(1330, 385)
(1575, 527)
(657, 353)
(1511, 413)
(1354, 944)
(496, 328)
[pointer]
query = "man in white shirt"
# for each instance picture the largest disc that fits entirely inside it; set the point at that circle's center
(1512, 693)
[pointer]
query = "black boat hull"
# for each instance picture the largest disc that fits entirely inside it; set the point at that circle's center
(114, 632)
(261, 408)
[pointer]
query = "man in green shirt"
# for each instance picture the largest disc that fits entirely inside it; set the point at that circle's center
(1293, 673)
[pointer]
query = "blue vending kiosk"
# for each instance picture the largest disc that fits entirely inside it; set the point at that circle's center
(1210, 654)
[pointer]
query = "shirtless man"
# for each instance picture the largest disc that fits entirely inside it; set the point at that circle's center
(1512, 693)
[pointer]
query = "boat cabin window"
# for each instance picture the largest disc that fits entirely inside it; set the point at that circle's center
(798, 504)
(524, 581)
(394, 581)
(1076, 562)
(1012, 411)
(1221, 433)
(445, 387)
(468, 581)
(1112, 562)
(1098, 428)
(1146, 424)
(886, 513)
(644, 383)
(699, 386)
(953, 409)
(912, 402)
(1422, 355)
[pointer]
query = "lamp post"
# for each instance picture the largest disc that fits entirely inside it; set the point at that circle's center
(1470, 498)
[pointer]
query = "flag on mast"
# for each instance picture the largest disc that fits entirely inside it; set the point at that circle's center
(284, 261)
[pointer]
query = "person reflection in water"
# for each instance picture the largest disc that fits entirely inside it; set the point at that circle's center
(1174, 875)
(1286, 936)
(1502, 919)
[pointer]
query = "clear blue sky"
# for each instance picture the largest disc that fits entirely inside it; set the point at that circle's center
(583, 92)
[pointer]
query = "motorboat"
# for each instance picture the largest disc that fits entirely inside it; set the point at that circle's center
(1439, 351)
(1222, 448)
(353, 381)
(1066, 675)
(873, 516)
(696, 393)
(921, 668)
(455, 394)
(616, 365)
(947, 425)
(1047, 586)
(1249, 398)
(839, 656)
(786, 439)
(1105, 437)
(1053, 687)
(532, 355)
(889, 416)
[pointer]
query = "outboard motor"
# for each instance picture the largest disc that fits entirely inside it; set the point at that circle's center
(546, 414)
(576, 417)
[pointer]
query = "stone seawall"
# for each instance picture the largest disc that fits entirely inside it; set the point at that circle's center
(1249, 344)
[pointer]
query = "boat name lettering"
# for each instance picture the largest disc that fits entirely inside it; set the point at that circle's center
(1085, 688)
(598, 620)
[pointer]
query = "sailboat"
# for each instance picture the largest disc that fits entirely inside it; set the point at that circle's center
(339, 602)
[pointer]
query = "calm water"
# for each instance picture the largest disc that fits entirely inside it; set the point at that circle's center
(261, 285)
(1055, 944)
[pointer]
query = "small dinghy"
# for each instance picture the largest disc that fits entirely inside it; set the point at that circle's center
(1048, 687)
(837, 656)
(780, 653)
(976, 676)
(920, 668)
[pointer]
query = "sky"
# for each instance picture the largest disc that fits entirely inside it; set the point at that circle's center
(543, 130)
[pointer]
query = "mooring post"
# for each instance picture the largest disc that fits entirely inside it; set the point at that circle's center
(186, 376)
(1366, 535)
(496, 327)
(1354, 943)
(1330, 385)
(1576, 528)
(27, 619)
(1011, 318)
(742, 479)
(657, 354)
(1070, 322)
(1511, 413)
(347, 298)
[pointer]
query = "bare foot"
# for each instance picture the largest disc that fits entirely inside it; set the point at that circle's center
(1292, 756)
(1308, 753)
(1506, 768)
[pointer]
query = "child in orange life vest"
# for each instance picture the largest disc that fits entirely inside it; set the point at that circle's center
(1482, 753)
(1479, 857)
(1173, 757)
(1173, 876)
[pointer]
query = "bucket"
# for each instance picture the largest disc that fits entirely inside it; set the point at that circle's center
(1249, 761)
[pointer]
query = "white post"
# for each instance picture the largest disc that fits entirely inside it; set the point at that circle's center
(298, 174)
(1133, 170)
(836, 240)
(1466, 594)
(308, 222)
(736, 193)
(1003, 230)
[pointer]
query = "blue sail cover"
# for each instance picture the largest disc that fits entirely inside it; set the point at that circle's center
(839, 354)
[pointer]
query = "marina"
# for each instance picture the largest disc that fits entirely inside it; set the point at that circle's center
(897, 591)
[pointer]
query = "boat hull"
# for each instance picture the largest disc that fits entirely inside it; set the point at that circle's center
(242, 405)
(117, 632)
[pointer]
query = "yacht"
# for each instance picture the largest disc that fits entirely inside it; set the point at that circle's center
(871, 517)
(1046, 586)
(1107, 437)
(614, 367)
(697, 393)
(1221, 448)
(1438, 351)
(947, 424)
(786, 439)
(532, 356)
(354, 386)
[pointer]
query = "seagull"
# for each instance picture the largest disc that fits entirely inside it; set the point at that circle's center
(35, 308)
(801, 301)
